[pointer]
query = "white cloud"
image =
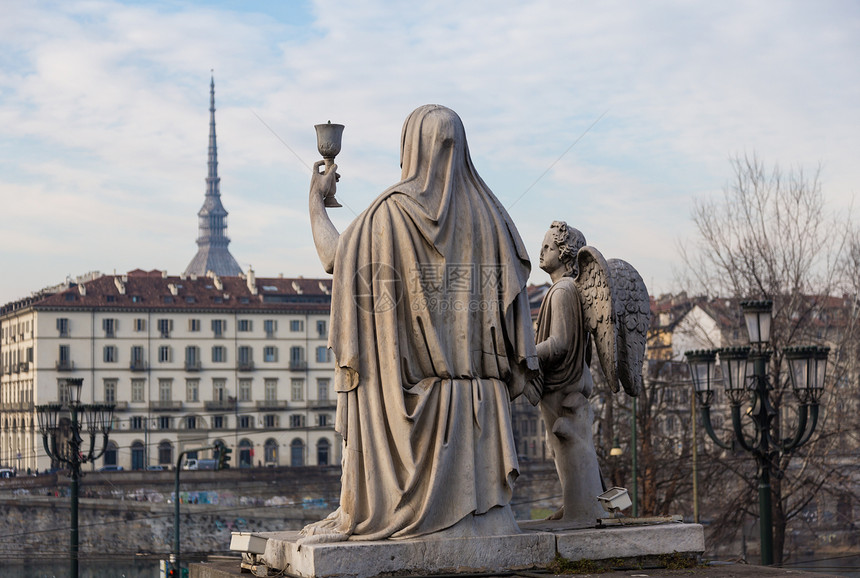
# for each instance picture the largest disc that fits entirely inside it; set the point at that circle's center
(105, 113)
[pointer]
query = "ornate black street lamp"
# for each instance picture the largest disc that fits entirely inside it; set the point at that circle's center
(65, 445)
(744, 376)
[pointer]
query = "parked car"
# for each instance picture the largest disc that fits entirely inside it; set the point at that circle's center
(155, 468)
(110, 469)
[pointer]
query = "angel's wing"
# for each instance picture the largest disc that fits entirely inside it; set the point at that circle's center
(593, 284)
(632, 310)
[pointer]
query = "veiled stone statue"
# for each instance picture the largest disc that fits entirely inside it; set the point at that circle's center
(589, 298)
(432, 337)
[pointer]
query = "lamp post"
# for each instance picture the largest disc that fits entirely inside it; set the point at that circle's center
(744, 376)
(97, 418)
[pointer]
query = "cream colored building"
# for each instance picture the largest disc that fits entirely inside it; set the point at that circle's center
(186, 360)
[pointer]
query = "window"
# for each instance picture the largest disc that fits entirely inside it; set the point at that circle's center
(140, 324)
(219, 326)
(136, 357)
(219, 354)
(191, 422)
(321, 328)
(297, 355)
(192, 390)
(323, 354)
(322, 389)
(270, 326)
(165, 453)
(218, 422)
(165, 326)
(63, 392)
(110, 390)
(323, 447)
(109, 354)
(165, 390)
(246, 422)
(271, 386)
(165, 422)
(192, 357)
(297, 453)
(297, 420)
(270, 353)
(270, 421)
(245, 325)
(137, 390)
(63, 326)
(65, 356)
(219, 389)
(322, 420)
(246, 357)
(297, 325)
(193, 325)
(110, 327)
(244, 390)
(270, 451)
(164, 354)
(297, 390)
(137, 423)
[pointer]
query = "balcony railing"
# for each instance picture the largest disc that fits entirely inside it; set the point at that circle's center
(120, 405)
(192, 365)
(298, 364)
(271, 404)
(137, 365)
(322, 403)
(245, 366)
(219, 404)
(65, 365)
(160, 405)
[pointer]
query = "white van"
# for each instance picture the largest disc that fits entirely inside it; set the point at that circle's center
(190, 464)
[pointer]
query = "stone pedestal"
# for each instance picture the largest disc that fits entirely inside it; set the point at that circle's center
(532, 549)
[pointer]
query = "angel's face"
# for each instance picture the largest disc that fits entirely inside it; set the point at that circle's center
(549, 254)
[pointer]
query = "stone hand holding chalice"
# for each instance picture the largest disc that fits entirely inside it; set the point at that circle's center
(329, 138)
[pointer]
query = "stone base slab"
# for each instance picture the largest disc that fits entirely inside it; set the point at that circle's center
(535, 548)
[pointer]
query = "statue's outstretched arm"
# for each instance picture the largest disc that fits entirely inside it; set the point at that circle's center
(325, 234)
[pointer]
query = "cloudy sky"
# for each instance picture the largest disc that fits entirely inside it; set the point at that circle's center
(104, 118)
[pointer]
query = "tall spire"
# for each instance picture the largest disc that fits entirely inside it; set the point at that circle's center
(212, 240)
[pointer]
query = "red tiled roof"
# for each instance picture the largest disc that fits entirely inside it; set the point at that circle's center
(147, 290)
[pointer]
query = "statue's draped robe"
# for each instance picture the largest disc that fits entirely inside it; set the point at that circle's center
(432, 337)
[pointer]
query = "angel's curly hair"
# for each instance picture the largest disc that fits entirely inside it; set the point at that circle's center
(569, 241)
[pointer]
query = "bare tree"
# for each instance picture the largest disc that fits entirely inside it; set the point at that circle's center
(769, 237)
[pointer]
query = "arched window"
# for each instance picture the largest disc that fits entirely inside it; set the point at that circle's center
(323, 452)
(138, 455)
(246, 453)
(165, 453)
(297, 453)
(110, 454)
(270, 452)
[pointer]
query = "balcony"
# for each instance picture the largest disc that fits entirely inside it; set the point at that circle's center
(65, 365)
(137, 365)
(23, 367)
(220, 404)
(160, 405)
(120, 405)
(245, 366)
(192, 365)
(298, 364)
(322, 403)
(271, 404)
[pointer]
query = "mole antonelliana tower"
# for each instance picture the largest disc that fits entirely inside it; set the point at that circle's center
(212, 240)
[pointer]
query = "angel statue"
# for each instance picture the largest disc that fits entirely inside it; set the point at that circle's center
(590, 298)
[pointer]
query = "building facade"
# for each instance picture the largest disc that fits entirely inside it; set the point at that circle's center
(187, 360)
